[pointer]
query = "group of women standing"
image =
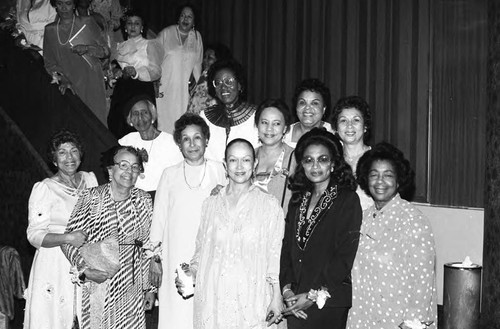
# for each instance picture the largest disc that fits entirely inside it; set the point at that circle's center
(266, 215)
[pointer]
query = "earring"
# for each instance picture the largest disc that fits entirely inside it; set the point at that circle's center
(142, 30)
(331, 169)
(131, 124)
(126, 31)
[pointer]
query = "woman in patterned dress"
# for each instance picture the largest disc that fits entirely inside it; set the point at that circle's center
(119, 211)
(321, 235)
(393, 274)
(50, 294)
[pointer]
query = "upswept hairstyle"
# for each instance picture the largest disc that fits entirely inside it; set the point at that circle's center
(188, 119)
(359, 104)
(108, 157)
(278, 104)
(60, 137)
(194, 9)
(387, 152)
(235, 141)
(316, 86)
(342, 172)
(233, 66)
(132, 13)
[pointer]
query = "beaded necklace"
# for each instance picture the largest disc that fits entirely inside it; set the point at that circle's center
(70, 32)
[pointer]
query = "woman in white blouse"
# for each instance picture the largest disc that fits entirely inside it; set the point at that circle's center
(139, 63)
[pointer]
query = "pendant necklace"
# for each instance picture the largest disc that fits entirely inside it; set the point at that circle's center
(70, 33)
(202, 178)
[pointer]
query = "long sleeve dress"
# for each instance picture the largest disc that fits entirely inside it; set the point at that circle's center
(236, 260)
(393, 274)
(84, 72)
(176, 219)
(179, 62)
(100, 217)
(319, 252)
(145, 56)
(50, 295)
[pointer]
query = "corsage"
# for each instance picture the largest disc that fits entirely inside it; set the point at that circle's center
(318, 296)
(153, 250)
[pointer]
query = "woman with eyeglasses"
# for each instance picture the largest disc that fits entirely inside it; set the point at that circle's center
(321, 235)
(120, 212)
(232, 117)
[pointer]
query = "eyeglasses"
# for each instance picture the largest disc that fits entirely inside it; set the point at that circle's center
(227, 81)
(125, 165)
(323, 160)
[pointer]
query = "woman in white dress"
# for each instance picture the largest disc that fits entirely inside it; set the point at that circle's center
(352, 119)
(177, 213)
(161, 148)
(236, 262)
(183, 48)
(312, 104)
(50, 294)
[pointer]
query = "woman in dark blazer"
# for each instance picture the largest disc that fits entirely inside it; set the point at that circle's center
(321, 235)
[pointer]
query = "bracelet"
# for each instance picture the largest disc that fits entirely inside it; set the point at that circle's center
(285, 290)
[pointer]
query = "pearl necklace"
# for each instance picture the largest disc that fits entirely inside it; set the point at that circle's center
(70, 33)
(202, 178)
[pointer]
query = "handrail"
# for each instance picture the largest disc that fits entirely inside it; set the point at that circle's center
(39, 109)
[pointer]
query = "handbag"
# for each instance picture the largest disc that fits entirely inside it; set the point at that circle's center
(103, 255)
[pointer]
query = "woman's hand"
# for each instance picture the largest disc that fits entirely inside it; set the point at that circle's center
(95, 275)
(274, 311)
(216, 189)
(129, 72)
(296, 304)
(149, 301)
(80, 49)
(155, 273)
(76, 238)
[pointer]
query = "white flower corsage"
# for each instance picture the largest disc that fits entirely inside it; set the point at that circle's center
(318, 296)
(153, 250)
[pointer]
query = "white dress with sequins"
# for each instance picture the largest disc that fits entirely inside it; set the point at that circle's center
(49, 297)
(237, 258)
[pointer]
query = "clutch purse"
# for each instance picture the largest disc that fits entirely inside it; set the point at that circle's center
(103, 255)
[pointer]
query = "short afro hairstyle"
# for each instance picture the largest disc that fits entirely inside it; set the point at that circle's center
(384, 151)
(233, 66)
(316, 86)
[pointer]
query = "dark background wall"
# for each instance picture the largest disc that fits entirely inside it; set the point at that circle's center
(421, 65)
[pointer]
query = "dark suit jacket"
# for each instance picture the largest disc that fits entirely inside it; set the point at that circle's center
(327, 257)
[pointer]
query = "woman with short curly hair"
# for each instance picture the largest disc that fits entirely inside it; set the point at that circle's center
(393, 274)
